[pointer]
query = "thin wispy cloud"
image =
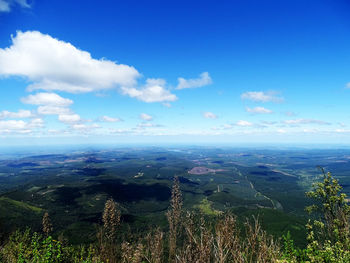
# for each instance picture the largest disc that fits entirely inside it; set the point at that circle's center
(7, 5)
(290, 113)
(258, 110)
(209, 115)
(305, 121)
(19, 114)
(69, 118)
(261, 96)
(148, 125)
(243, 123)
(109, 119)
(223, 127)
(203, 80)
(146, 117)
(53, 110)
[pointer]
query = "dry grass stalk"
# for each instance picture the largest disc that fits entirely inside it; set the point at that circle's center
(227, 244)
(127, 252)
(174, 218)
(258, 246)
(197, 246)
(111, 219)
(155, 247)
(132, 254)
(106, 235)
(47, 225)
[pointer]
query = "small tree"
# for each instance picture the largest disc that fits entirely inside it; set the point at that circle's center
(47, 225)
(328, 236)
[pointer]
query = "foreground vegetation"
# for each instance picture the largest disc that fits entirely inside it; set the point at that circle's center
(194, 237)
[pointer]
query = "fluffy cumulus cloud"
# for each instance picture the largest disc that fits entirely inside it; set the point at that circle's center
(9, 125)
(258, 110)
(20, 126)
(6, 5)
(260, 96)
(209, 115)
(305, 121)
(146, 117)
(203, 80)
(153, 91)
(52, 64)
(42, 98)
(19, 114)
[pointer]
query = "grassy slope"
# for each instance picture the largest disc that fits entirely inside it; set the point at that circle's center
(15, 214)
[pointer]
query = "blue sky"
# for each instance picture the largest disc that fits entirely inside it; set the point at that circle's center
(174, 71)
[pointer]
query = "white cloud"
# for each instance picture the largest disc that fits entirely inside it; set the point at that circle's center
(47, 99)
(311, 130)
(109, 119)
(53, 131)
(258, 110)
(305, 121)
(6, 5)
(148, 125)
(209, 115)
(290, 113)
(19, 114)
(52, 64)
(268, 123)
(146, 117)
(53, 110)
(20, 126)
(69, 118)
(281, 131)
(153, 91)
(13, 125)
(260, 96)
(342, 131)
(79, 126)
(243, 123)
(36, 123)
(223, 127)
(203, 80)
(85, 128)
(166, 104)
(120, 131)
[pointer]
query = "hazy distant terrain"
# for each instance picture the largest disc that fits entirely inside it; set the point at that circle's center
(75, 185)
